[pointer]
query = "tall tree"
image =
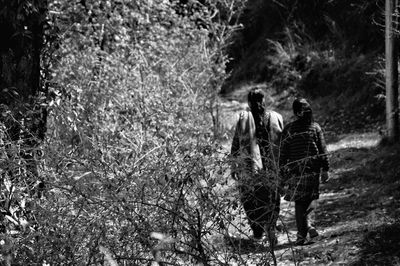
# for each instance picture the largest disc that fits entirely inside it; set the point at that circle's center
(22, 24)
(23, 116)
(392, 105)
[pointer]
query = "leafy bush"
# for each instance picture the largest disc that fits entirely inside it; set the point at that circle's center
(131, 163)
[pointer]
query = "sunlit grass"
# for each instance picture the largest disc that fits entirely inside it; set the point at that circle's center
(364, 140)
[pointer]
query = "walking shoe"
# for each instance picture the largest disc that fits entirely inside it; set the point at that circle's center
(279, 228)
(312, 232)
(274, 241)
(257, 239)
(301, 240)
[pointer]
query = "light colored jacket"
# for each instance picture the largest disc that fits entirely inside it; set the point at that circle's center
(245, 150)
(246, 157)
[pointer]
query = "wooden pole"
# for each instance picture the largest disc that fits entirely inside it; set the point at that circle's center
(392, 106)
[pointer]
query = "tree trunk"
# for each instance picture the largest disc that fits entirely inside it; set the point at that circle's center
(392, 105)
(22, 24)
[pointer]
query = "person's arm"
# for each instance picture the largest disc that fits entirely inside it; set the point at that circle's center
(235, 142)
(283, 153)
(283, 150)
(323, 155)
(235, 147)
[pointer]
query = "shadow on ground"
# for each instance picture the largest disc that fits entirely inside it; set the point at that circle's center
(381, 246)
(358, 209)
(364, 180)
(247, 246)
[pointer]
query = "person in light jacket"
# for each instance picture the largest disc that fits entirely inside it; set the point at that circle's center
(254, 164)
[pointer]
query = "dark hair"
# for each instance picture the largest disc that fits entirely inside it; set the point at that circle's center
(300, 105)
(255, 95)
(257, 108)
(255, 99)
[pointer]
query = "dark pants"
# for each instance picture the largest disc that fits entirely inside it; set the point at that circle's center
(301, 213)
(262, 206)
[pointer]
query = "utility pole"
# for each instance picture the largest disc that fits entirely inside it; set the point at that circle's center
(392, 104)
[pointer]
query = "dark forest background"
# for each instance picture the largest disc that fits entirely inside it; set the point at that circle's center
(319, 49)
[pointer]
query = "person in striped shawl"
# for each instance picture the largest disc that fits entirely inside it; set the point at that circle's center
(303, 161)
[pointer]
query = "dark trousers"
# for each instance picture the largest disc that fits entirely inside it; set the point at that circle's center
(301, 213)
(262, 206)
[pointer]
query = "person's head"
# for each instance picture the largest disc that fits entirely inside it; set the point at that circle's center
(302, 110)
(255, 100)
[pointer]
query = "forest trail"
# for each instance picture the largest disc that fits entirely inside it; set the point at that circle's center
(342, 215)
(357, 218)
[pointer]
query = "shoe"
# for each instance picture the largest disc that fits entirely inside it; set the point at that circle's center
(274, 242)
(312, 232)
(300, 240)
(272, 239)
(257, 239)
(279, 228)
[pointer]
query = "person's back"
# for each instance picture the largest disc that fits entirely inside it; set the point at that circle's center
(303, 159)
(246, 158)
(251, 154)
(302, 146)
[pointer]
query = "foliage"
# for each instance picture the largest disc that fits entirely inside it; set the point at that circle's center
(294, 44)
(347, 89)
(131, 165)
(130, 162)
(23, 118)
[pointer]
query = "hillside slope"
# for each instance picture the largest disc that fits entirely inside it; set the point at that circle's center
(328, 51)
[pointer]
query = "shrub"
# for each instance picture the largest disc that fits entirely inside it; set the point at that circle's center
(131, 162)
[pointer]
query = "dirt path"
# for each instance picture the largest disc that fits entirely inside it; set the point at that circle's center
(357, 219)
(341, 217)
